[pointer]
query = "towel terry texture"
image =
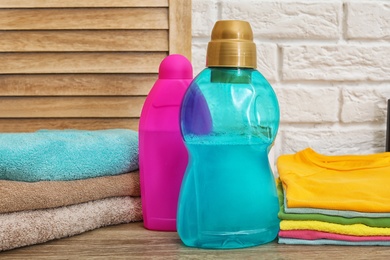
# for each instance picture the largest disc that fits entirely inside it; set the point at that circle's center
(19, 196)
(60, 155)
(338, 200)
(60, 183)
(37, 226)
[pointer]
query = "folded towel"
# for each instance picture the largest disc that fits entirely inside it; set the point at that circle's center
(19, 196)
(354, 230)
(58, 155)
(348, 182)
(315, 235)
(292, 241)
(345, 220)
(37, 226)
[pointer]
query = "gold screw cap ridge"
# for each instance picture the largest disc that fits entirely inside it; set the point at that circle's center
(231, 45)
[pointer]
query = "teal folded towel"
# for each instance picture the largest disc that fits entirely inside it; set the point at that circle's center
(61, 155)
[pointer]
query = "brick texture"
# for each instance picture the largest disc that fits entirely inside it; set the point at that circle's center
(296, 104)
(364, 104)
(368, 20)
(336, 62)
(280, 19)
(328, 61)
(332, 140)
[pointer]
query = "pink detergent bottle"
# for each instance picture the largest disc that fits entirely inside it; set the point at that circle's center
(163, 157)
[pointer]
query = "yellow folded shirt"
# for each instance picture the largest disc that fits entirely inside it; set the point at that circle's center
(354, 230)
(341, 182)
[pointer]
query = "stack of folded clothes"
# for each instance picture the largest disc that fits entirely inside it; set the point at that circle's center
(60, 183)
(339, 200)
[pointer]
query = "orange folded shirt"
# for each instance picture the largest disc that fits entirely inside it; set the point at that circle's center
(341, 182)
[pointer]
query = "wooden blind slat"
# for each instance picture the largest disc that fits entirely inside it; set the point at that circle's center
(84, 18)
(25, 107)
(84, 40)
(78, 3)
(30, 125)
(76, 84)
(121, 62)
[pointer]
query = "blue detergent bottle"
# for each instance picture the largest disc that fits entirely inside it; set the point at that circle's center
(229, 120)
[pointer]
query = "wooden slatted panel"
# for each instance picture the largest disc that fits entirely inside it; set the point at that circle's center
(83, 18)
(76, 84)
(84, 64)
(84, 40)
(30, 125)
(81, 3)
(103, 62)
(118, 106)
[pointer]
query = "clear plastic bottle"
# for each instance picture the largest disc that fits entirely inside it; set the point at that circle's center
(162, 155)
(229, 120)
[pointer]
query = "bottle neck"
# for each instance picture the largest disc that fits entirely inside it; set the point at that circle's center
(231, 75)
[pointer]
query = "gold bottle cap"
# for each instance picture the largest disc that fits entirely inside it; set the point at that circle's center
(231, 45)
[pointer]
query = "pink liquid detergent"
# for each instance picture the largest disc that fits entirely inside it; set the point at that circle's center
(163, 157)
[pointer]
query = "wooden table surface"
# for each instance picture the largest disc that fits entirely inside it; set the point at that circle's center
(132, 241)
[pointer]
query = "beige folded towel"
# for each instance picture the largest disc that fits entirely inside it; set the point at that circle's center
(19, 196)
(37, 226)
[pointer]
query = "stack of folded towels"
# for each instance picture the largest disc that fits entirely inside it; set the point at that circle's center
(59, 183)
(338, 200)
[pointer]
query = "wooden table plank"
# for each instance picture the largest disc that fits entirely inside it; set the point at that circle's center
(132, 241)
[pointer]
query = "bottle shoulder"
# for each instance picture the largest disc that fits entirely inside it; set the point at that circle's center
(213, 79)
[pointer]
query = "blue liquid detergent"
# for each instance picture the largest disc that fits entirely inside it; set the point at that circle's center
(228, 199)
(234, 197)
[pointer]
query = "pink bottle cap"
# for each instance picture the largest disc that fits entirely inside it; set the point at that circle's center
(175, 66)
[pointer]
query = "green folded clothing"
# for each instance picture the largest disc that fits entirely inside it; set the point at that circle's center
(61, 155)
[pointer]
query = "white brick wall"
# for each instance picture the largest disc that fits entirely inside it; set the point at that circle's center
(328, 61)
